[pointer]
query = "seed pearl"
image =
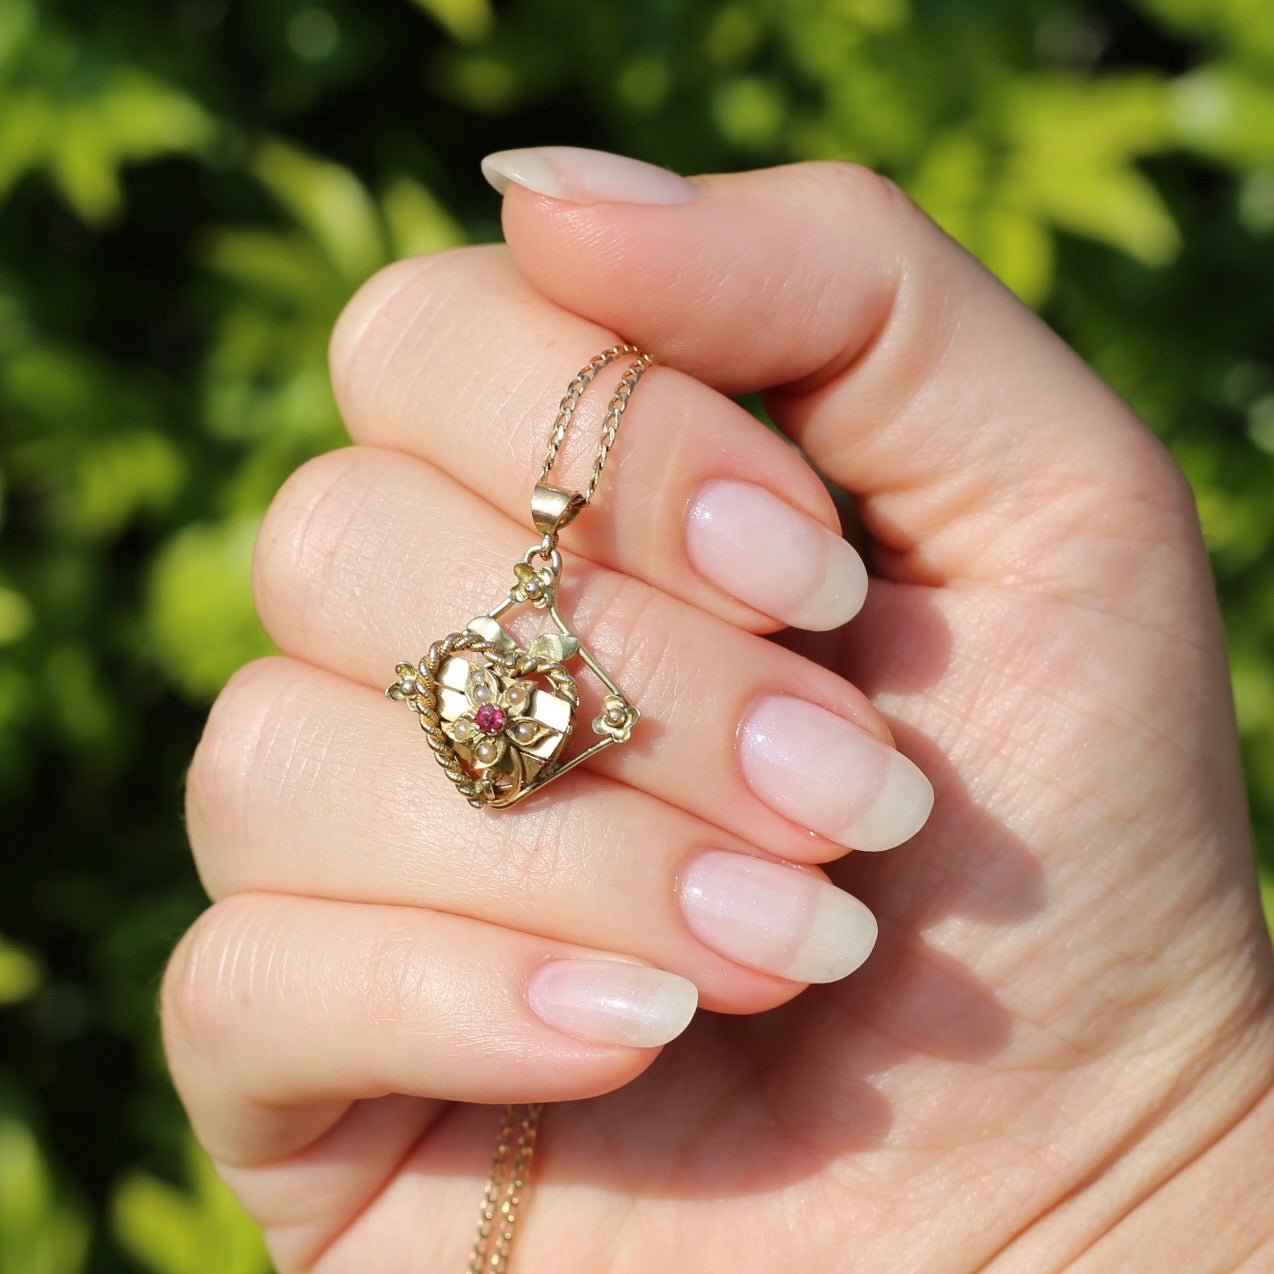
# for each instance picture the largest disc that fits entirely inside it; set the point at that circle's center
(485, 752)
(515, 696)
(481, 692)
(524, 731)
(463, 729)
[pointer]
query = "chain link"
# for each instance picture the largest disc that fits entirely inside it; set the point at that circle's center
(502, 1199)
(614, 409)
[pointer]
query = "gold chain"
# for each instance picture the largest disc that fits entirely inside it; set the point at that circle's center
(519, 1124)
(502, 1199)
(614, 410)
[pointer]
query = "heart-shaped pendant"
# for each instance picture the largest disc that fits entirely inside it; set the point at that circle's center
(497, 715)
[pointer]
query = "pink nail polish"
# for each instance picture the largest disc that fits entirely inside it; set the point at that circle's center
(774, 917)
(612, 1001)
(756, 547)
(586, 176)
(830, 776)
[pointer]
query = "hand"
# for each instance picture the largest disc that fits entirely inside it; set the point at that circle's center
(1060, 1053)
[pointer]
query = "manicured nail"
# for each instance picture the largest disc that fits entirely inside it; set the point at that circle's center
(774, 917)
(830, 776)
(612, 1002)
(761, 550)
(585, 176)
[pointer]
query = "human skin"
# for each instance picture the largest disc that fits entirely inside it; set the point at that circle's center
(1059, 1054)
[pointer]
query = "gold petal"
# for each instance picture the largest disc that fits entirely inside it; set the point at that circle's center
(501, 750)
(512, 708)
(487, 627)
(537, 736)
(620, 731)
(468, 728)
(480, 675)
(558, 647)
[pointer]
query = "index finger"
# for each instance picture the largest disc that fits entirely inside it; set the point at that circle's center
(979, 446)
(457, 359)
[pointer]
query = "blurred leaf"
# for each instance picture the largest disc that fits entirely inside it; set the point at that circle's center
(288, 266)
(417, 222)
(201, 1231)
(16, 616)
(118, 477)
(329, 202)
(1227, 114)
(39, 1232)
(200, 616)
(20, 974)
(1073, 165)
(466, 20)
(17, 25)
(956, 186)
(81, 120)
(750, 111)
(484, 82)
(1244, 25)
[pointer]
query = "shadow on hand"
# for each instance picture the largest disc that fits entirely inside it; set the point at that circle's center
(747, 1105)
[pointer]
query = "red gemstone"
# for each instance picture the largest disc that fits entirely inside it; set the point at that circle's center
(489, 719)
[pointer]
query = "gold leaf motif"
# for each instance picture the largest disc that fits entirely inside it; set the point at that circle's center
(487, 627)
(556, 646)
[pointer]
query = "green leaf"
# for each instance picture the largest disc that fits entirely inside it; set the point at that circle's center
(1073, 164)
(329, 202)
(20, 974)
(199, 613)
(468, 21)
(1226, 113)
(84, 120)
(417, 222)
(40, 1232)
(173, 1231)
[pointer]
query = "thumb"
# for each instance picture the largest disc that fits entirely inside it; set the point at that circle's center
(978, 445)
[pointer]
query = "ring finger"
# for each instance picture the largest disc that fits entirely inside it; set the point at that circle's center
(287, 798)
(352, 574)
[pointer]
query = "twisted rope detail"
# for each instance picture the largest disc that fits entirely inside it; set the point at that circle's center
(423, 698)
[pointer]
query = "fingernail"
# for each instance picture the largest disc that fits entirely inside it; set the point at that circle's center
(612, 1002)
(761, 550)
(586, 176)
(775, 918)
(830, 776)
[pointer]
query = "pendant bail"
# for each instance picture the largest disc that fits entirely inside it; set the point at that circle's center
(552, 508)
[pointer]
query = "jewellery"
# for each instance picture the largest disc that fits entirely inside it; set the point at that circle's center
(497, 715)
(510, 1168)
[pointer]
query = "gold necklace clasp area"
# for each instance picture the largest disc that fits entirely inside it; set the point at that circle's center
(497, 715)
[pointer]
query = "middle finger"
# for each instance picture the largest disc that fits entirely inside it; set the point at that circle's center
(353, 574)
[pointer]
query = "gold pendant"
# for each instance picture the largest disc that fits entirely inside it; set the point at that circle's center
(498, 716)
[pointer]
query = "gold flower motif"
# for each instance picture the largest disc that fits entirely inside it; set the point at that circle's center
(498, 727)
(534, 586)
(617, 719)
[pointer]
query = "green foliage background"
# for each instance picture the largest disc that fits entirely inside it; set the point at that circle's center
(189, 191)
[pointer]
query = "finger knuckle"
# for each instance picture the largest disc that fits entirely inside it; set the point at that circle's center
(378, 302)
(396, 302)
(234, 758)
(213, 973)
(305, 543)
(869, 195)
